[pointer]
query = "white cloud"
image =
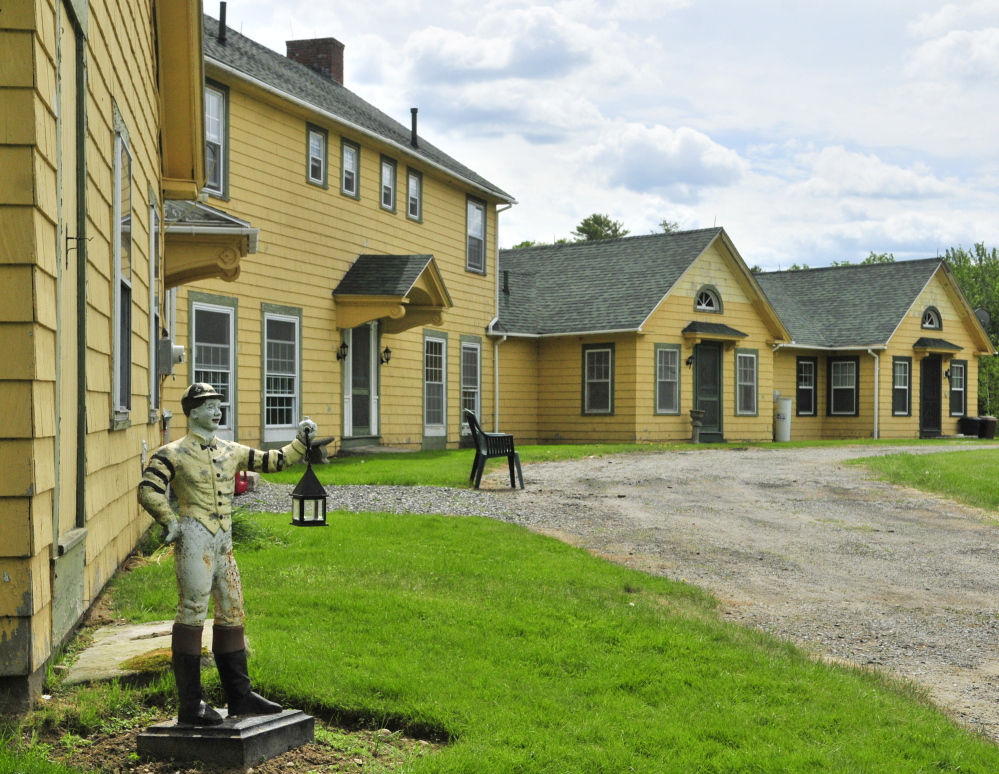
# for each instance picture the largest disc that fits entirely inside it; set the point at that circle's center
(972, 55)
(658, 159)
(930, 25)
(838, 172)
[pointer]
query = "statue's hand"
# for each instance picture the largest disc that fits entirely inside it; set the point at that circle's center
(171, 532)
(307, 425)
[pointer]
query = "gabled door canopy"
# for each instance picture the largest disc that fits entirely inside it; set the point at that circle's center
(204, 243)
(401, 291)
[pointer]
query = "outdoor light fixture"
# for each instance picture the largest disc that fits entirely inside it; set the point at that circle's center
(690, 361)
(308, 500)
(947, 373)
(386, 355)
(341, 352)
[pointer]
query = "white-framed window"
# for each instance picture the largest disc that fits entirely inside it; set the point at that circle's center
(745, 383)
(900, 386)
(667, 380)
(414, 198)
(317, 156)
(214, 140)
(122, 381)
(434, 386)
(471, 367)
(805, 394)
(598, 379)
(155, 296)
(843, 387)
(475, 259)
(931, 319)
(388, 184)
(281, 336)
(958, 392)
(707, 300)
(213, 338)
(350, 166)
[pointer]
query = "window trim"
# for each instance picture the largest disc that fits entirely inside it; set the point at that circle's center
(344, 144)
(471, 201)
(586, 410)
(936, 313)
(907, 361)
(121, 411)
(714, 292)
(471, 343)
(415, 174)
(223, 191)
(755, 355)
(856, 386)
(815, 386)
(657, 409)
(963, 364)
(387, 162)
(311, 129)
(279, 435)
(212, 302)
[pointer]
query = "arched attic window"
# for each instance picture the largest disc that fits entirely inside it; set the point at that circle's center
(708, 299)
(931, 319)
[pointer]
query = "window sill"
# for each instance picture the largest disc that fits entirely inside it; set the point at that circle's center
(475, 271)
(120, 422)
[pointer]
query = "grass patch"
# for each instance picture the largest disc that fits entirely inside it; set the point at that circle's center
(528, 655)
(452, 468)
(968, 476)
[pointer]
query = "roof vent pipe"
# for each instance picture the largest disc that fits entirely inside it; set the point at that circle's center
(412, 139)
(222, 23)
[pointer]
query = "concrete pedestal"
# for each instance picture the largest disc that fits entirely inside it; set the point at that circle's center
(238, 742)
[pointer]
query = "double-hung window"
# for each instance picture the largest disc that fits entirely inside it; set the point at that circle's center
(667, 379)
(958, 388)
(598, 379)
(317, 156)
(434, 386)
(388, 184)
(843, 386)
(122, 381)
(475, 259)
(215, 131)
(280, 377)
(745, 382)
(350, 165)
(805, 392)
(470, 377)
(213, 353)
(901, 380)
(414, 195)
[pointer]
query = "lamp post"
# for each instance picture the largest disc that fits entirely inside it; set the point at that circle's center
(309, 497)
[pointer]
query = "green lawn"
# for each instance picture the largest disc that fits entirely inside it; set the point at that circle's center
(970, 477)
(528, 655)
(452, 468)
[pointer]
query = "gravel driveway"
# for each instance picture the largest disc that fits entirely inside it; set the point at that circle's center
(792, 541)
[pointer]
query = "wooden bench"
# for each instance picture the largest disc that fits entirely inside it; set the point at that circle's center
(489, 446)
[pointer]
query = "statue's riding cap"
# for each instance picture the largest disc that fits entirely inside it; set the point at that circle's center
(197, 394)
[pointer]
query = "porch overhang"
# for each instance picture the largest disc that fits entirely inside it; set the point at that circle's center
(400, 291)
(204, 243)
(936, 346)
(696, 332)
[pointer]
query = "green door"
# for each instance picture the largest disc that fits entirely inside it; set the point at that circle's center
(708, 389)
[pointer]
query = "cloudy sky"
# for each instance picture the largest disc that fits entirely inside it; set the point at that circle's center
(812, 131)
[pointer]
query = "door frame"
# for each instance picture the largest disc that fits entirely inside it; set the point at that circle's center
(924, 431)
(711, 436)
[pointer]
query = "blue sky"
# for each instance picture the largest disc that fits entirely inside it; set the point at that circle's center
(812, 131)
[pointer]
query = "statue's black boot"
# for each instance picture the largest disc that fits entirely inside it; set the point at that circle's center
(235, 675)
(187, 670)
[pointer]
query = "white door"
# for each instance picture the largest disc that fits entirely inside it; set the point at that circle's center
(360, 379)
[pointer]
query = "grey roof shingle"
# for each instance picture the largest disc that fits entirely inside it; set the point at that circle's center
(925, 343)
(603, 285)
(716, 329)
(846, 306)
(297, 80)
(382, 275)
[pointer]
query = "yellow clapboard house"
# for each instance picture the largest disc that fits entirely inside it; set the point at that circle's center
(101, 123)
(366, 302)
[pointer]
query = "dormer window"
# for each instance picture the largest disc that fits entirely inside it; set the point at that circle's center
(707, 300)
(931, 319)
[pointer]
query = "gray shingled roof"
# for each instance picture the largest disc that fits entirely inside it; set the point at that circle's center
(602, 285)
(299, 81)
(716, 329)
(382, 275)
(846, 306)
(925, 343)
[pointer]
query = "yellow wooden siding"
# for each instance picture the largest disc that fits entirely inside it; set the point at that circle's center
(309, 237)
(519, 390)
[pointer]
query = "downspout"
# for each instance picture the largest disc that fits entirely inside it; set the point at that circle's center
(877, 396)
(496, 389)
(489, 329)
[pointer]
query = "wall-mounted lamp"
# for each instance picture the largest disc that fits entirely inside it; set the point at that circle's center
(386, 355)
(341, 352)
(690, 361)
(947, 373)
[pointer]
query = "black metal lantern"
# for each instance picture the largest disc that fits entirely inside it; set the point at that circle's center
(386, 355)
(309, 498)
(341, 351)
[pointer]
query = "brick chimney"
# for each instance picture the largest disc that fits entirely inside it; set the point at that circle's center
(324, 55)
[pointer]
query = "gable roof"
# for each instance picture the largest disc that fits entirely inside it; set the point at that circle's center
(382, 275)
(595, 286)
(817, 312)
(247, 58)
